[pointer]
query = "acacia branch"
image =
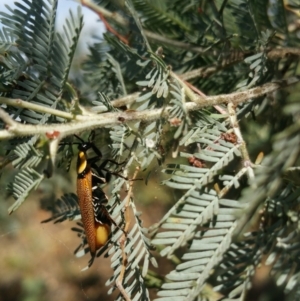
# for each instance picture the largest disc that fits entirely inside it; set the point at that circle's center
(19, 103)
(93, 121)
(124, 238)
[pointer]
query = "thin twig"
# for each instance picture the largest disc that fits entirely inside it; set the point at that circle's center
(191, 95)
(104, 12)
(190, 89)
(124, 238)
(159, 38)
(126, 100)
(244, 151)
(93, 121)
(19, 103)
(293, 168)
(209, 70)
(101, 12)
(7, 119)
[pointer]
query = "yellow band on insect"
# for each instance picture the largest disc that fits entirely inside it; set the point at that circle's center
(102, 234)
(81, 163)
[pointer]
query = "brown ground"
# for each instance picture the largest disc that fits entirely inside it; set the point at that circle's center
(37, 261)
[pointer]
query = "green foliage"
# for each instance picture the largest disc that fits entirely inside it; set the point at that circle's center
(228, 215)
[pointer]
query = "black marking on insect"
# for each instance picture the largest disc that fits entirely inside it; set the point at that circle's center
(95, 218)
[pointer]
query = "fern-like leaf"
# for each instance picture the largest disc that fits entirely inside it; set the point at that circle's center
(25, 181)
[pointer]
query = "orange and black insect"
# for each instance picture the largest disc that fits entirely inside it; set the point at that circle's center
(91, 198)
(95, 217)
